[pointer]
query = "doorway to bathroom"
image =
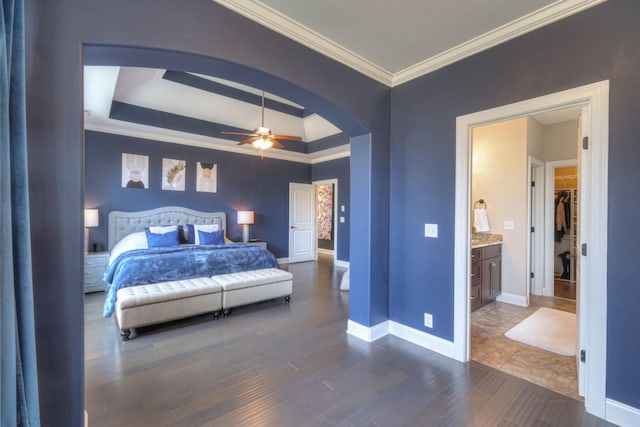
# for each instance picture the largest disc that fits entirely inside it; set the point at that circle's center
(507, 178)
(591, 298)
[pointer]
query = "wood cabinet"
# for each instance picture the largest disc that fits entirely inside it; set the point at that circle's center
(486, 275)
(95, 264)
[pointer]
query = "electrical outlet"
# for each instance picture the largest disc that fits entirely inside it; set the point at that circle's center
(428, 320)
(341, 220)
(431, 230)
(508, 225)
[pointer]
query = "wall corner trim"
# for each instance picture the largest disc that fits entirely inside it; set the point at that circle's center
(423, 339)
(340, 263)
(513, 299)
(368, 333)
(621, 414)
(283, 260)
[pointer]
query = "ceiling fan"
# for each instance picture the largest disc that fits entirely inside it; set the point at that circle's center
(262, 138)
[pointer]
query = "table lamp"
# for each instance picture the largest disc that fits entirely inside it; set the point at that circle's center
(91, 219)
(245, 218)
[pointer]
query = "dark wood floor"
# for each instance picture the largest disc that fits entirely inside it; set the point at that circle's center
(273, 364)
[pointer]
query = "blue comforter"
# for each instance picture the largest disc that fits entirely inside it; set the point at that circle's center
(155, 265)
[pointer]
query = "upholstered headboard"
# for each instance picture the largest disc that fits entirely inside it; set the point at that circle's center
(123, 223)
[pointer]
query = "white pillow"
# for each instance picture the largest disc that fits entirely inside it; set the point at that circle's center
(130, 242)
(163, 229)
(207, 228)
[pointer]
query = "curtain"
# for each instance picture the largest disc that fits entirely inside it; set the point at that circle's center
(19, 404)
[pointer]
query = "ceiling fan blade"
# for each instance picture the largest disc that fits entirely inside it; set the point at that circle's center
(292, 138)
(276, 144)
(248, 141)
(238, 133)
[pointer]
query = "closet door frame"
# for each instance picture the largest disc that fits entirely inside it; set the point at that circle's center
(550, 174)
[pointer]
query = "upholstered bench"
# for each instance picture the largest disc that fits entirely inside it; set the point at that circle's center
(248, 287)
(161, 302)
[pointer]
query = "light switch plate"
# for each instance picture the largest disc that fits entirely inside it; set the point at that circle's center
(431, 230)
(428, 320)
(342, 208)
(508, 225)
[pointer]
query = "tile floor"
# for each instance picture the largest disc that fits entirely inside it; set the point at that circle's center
(489, 346)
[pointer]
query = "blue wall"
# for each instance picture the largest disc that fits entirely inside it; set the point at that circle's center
(244, 183)
(600, 43)
(193, 35)
(414, 178)
(338, 169)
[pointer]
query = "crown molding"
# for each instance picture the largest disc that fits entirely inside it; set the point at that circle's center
(280, 23)
(525, 24)
(271, 18)
(176, 137)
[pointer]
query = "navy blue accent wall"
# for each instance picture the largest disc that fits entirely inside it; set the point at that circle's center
(338, 169)
(244, 183)
(600, 43)
(190, 35)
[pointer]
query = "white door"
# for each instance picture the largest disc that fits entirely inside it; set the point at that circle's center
(536, 226)
(302, 222)
(584, 125)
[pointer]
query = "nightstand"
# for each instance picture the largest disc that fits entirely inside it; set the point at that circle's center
(95, 264)
(260, 243)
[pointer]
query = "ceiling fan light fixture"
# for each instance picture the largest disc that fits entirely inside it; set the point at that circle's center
(262, 144)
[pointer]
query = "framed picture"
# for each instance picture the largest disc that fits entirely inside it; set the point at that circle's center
(135, 171)
(173, 174)
(207, 181)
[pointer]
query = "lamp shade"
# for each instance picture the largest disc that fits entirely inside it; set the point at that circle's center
(91, 217)
(245, 217)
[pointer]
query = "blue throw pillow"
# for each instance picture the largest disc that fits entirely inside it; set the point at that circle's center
(213, 238)
(156, 240)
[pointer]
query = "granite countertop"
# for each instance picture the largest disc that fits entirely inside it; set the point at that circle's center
(480, 240)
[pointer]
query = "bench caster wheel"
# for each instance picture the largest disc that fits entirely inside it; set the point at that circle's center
(125, 334)
(226, 312)
(216, 315)
(287, 299)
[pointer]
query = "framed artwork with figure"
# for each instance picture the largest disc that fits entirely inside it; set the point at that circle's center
(207, 181)
(135, 171)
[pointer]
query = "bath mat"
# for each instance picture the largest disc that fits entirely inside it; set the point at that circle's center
(548, 329)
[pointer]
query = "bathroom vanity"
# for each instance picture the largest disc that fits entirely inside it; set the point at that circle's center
(486, 271)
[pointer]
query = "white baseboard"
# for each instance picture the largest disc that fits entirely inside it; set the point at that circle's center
(368, 333)
(325, 251)
(621, 414)
(513, 299)
(423, 339)
(340, 263)
(414, 336)
(283, 260)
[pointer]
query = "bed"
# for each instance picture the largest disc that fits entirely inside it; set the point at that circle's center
(132, 264)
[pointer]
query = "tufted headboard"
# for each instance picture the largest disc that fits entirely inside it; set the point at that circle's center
(123, 223)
